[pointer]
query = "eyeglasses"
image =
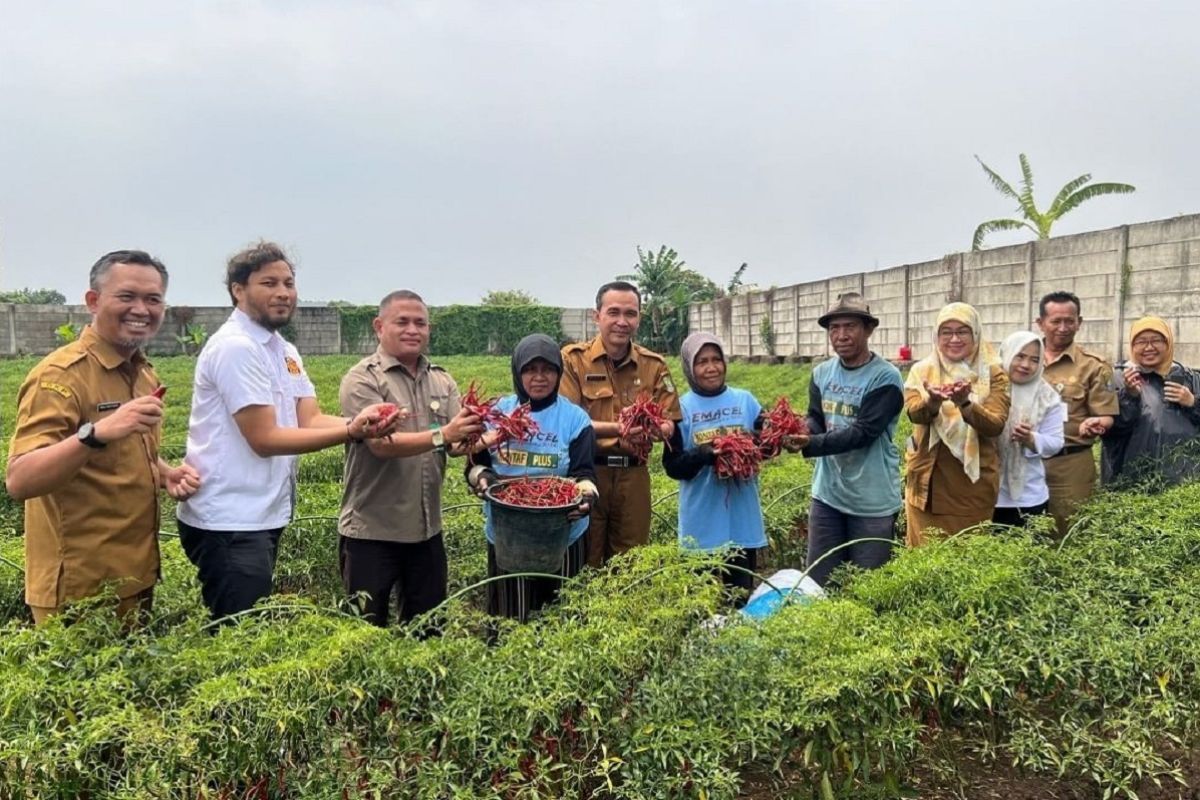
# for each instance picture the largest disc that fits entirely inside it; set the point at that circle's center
(1153, 341)
(962, 334)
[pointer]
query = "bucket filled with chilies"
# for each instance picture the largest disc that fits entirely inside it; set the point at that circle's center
(530, 522)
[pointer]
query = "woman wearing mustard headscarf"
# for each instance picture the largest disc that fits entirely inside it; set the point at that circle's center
(957, 399)
(1159, 415)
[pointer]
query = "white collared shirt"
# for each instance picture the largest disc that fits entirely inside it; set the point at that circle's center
(243, 364)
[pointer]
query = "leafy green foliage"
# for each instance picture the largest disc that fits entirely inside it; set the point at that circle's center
(508, 297)
(357, 327)
(48, 297)
(489, 329)
(766, 335)
(1068, 198)
(1076, 659)
(667, 287)
(67, 332)
(194, 335)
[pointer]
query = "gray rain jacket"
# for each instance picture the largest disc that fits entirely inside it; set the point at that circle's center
(1150, 436)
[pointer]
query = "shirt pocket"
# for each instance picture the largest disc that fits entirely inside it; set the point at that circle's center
(439, 407)
(1074, 394)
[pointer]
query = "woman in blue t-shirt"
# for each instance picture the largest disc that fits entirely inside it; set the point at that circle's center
(714, 514)
(565, 445)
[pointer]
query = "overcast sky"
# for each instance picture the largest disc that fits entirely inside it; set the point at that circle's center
(457, 147)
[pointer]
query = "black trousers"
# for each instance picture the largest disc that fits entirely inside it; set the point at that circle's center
(416, 571)
(517, 598)
(738, 580)
(236, 568)
(1017, 517)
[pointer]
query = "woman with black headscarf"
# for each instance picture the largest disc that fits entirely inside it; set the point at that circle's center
(565, 446)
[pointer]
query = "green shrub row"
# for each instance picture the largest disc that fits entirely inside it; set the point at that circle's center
(1076, 659)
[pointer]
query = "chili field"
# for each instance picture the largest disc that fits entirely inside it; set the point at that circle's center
(1001, 662)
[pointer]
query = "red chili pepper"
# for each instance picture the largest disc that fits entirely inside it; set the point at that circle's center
(646, 414)
(518, 425)
(538, 492)
(738, 456)
(160, 391)
(780, 423)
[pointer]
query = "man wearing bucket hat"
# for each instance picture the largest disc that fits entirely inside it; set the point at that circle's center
(564, 445)
(854, 402)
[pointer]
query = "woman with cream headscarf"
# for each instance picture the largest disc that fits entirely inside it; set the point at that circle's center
(1159, 412)
(957, 399)
(1034, 431)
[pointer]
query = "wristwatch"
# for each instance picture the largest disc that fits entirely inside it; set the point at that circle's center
(439, 440)
(87, 435)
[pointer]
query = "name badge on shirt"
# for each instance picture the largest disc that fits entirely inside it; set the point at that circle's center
(596, 376)
(108, 406)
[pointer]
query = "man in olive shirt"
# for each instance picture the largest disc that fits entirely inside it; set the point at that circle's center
(84, 454)
(1085, 382)
(391, 520)
(603, 376)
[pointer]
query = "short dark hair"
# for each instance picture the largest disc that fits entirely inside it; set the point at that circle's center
(137, 257)
(616, 286)
(399, 294)
(246, 262)
(1060, 297)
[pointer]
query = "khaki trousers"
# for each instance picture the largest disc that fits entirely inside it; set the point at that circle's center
(920, 522)
(620, 517)
(141, 603)
(1071, 480)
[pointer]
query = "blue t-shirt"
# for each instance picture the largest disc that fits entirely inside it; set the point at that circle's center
(715, 513)
(548, 454)
(864, 482)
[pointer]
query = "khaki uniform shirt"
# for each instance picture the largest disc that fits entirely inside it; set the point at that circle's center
(1085, 383)
(102, 525)
(591, 380)
(935, 480)
(396, 499)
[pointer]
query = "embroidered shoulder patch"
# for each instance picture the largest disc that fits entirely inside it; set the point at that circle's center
(57, 388)
(293, 367)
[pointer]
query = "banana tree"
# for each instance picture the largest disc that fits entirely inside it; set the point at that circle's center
(1068, 198)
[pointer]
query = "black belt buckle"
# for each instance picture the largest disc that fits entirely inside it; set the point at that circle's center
(617, 461)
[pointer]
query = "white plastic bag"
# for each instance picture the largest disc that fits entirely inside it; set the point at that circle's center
(790, 586)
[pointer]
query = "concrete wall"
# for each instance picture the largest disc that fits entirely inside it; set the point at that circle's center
(29, 329)
(1119, 275)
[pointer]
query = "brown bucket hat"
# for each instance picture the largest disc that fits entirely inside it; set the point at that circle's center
(850, 304)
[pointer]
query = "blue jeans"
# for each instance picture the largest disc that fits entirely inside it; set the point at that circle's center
(828, 528)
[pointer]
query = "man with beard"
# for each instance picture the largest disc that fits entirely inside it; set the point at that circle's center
(254, 410)
(1085, 382)
(84, 453)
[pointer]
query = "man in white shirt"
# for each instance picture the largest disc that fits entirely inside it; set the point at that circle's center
(253, 411)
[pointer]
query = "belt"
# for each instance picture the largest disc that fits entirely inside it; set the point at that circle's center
(1071, 450)
(617, 461)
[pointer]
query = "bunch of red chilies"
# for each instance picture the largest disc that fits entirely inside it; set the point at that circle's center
(738, 456)
(538, 492)
(518, 425)
(646, 414)
(780, 423)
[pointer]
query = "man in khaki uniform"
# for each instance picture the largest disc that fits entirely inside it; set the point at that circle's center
(84, 452)
(1085, 382)
(603, 376)
(391, 519)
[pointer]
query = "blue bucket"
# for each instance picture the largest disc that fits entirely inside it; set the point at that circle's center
(529, 539)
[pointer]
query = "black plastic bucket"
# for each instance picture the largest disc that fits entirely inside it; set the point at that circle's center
(529, 539)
